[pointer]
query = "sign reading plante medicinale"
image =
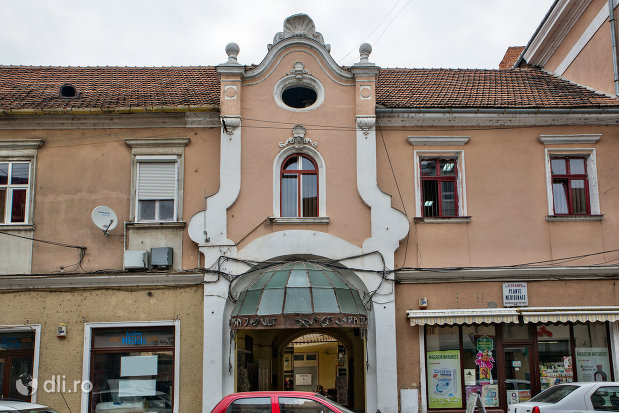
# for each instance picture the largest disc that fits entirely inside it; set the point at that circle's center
(515, 295)
(444, 391)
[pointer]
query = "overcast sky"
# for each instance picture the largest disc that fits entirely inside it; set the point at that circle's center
(403, 33)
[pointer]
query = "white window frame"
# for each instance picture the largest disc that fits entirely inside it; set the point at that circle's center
(88, 327)
(592, 179)
(157, 150)
(460, 183)
(37, 347)
(157, 159)
(16, 151)
(322, 185)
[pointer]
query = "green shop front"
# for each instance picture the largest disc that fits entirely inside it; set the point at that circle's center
(508, 355)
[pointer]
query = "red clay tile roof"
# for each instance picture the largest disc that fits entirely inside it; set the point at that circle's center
(31, 87)
(109, 88)
(511, 55)
(481, 88)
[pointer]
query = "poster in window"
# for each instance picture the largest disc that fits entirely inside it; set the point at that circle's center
(444, 390)
(592, 364)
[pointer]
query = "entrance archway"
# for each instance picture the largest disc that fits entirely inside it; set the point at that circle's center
(301, 326)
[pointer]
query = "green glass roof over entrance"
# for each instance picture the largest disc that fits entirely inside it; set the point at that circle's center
(299, 287)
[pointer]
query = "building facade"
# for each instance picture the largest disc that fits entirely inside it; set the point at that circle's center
(396, 239)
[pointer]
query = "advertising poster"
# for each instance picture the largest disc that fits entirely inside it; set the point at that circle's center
(592, 364)
(490, 395)
(444, 391)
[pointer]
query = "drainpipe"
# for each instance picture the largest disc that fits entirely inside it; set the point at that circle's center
(613, 35)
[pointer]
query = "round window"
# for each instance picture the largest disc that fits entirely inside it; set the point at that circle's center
(299, 95)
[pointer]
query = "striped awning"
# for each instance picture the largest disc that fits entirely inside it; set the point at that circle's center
(565, 314)
(462, 316)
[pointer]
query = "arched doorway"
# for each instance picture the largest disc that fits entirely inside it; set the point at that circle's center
(301, 326)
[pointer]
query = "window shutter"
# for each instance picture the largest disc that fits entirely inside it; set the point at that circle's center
(157, 180)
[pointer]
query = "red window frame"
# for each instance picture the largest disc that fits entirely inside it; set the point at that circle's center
(299, 173)
(566, 179)
(440, 179)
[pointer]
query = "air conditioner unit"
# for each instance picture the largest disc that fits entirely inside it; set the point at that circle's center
(161, 257)
(135, 260)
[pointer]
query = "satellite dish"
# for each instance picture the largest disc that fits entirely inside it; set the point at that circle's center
(104, 218)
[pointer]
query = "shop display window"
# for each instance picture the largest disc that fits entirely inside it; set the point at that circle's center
(479, 362)
(16, 365)
(555, 355)
(443, 367)
(591, 349)
(133, 368)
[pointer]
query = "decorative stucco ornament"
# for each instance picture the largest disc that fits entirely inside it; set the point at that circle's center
(298, 70)
(365, 123)
(232, 50)
(298, 138)
(299, 25)
(230, 123)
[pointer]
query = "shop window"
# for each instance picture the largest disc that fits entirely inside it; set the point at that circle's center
(592, 355)
(299, 186)
(443, 367)
(555, 355)
(479, 363)
(132, 367)
(250, 405)
(16, 365)
(515, 332)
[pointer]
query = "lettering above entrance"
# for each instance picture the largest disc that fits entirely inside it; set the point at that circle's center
(296, 321)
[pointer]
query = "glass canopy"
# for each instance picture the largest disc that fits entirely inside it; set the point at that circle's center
(299, 288)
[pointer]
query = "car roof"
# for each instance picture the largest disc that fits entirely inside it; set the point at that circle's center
(15, 404)
(272, 393)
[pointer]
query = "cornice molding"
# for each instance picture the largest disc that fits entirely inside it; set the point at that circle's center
(444, 275)
(438, 140)
(569, 139)
(20, 144)
(147, 279)
(156, 142)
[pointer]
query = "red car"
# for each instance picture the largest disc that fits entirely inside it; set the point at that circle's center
(278, 402)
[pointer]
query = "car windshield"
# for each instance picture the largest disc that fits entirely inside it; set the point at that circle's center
(339, 406)
(554, 394)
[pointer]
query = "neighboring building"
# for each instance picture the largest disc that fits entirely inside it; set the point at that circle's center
(399, 237)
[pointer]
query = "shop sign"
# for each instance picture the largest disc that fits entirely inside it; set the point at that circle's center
(515, 295)
(16, 341)
(296, 321)
(133, 338)
(443, 373)
(592, 364)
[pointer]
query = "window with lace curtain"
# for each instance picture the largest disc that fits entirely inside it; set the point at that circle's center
(570, 185)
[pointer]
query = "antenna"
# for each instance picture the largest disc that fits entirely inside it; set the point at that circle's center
(104, 218)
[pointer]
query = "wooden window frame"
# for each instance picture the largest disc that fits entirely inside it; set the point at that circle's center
(299, 173)
(440, 179)
(566, 179)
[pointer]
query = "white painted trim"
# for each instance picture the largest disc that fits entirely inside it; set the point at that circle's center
(37, 348)
(559, 218)
(88, 327)
(460, 180)
(325, 56)
(212, 223)
(299, 220)
(594, 26)
(614, 346)
(442, 220)
(289, 81)
(438, 140)
(594, 197)
(422, 370)
(554, 30)
(21, 144)
(322, 177)
(568, 139)
(157, 158)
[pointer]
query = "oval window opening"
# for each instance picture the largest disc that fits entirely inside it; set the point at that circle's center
(68, 91)
(299, 97)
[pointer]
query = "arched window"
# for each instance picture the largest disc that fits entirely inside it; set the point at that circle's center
(299, 186)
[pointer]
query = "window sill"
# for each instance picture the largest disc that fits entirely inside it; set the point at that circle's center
(559, 218)
(442, 220)
(163, 224)
(16, 227)
(297, 220)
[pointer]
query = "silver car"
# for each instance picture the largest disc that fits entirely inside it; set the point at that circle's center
(600, 396)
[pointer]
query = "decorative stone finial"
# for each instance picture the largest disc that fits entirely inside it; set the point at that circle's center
(232, 50)
(299, 25)
(364, 52)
